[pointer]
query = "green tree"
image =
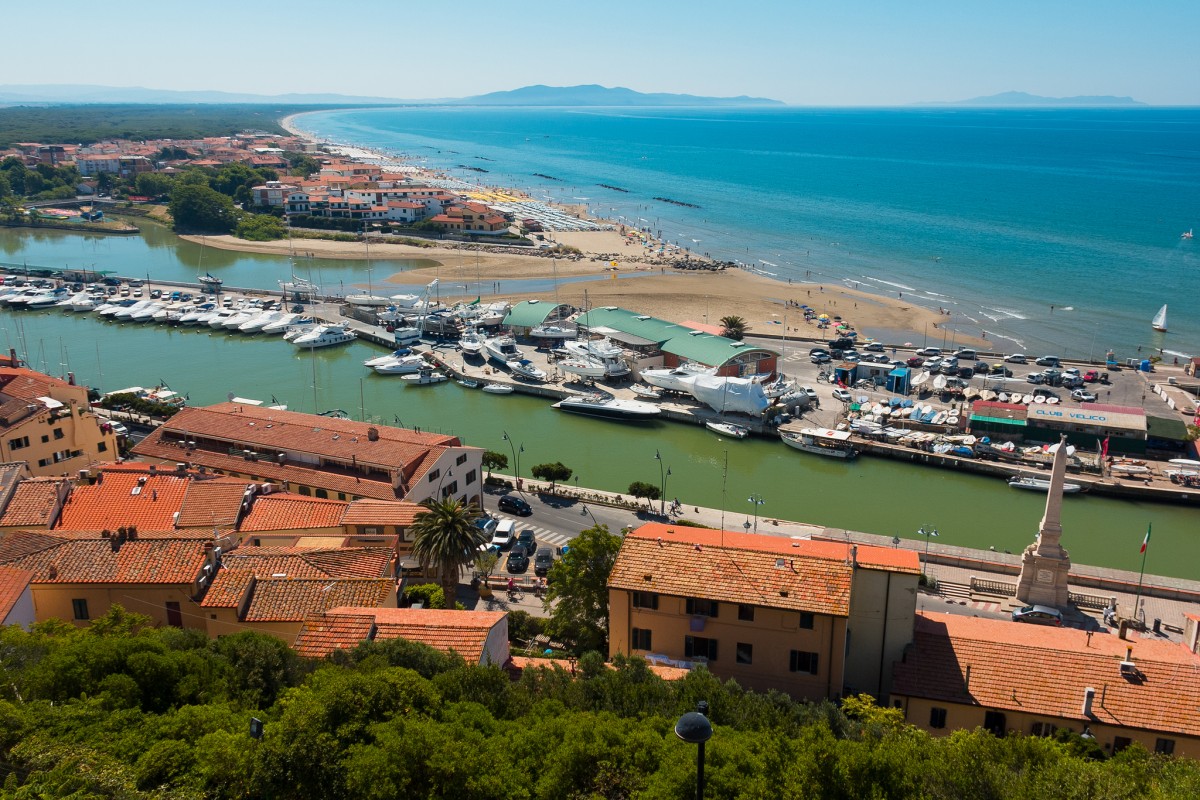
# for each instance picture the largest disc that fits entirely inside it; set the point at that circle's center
(493, 460)
(445, 538)
(733, 327)
(153, 184)
(646, 491)
(260, 228)
(200, 209)
(577, 597)
(302, 165)
(552, 472)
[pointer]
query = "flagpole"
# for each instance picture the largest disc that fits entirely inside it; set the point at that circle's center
(1137, 602)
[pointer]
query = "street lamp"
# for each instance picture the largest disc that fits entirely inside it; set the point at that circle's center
(757, 500)
(516, 453)
(694, 728)
(928, 534)
(590, 514)
(662, 485)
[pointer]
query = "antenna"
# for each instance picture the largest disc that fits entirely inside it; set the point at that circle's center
(724, 479)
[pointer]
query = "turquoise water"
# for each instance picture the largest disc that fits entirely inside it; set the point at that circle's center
(995, 214)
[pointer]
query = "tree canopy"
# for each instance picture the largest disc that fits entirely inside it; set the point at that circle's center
(577, 597)
(446, 538)
(199, 209)
(552, 472)
(733, 327)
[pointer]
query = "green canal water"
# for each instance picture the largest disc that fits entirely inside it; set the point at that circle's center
(874, 495)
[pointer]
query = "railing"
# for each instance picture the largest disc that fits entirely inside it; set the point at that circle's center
(1094, 601)
(984, 586)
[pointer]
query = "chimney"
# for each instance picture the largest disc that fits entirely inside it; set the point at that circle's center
(1089, 694)
(967, 679)
(152, 469)
(71, 378)
(1129, 653)
(372, 434)
(53, 571)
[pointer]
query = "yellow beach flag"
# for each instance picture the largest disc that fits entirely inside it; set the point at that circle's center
(612, 263)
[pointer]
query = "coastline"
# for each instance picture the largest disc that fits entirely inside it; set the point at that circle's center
(674, 295)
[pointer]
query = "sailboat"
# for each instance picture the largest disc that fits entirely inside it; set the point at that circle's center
(1159, 323)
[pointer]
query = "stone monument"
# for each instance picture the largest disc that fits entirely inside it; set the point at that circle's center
(1045, 565)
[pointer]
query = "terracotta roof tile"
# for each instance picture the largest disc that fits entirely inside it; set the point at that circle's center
(274, 512)
(58, 560)
(1044, 671)
(293, 563)
(211, 502)
(286, 600)
(33, 502)
(375, 512)
(518, 664)
(228, 588)
(13, 583)
(111, 502)
(27, 384)
(324, 633)
(465, 632)
(733, 567)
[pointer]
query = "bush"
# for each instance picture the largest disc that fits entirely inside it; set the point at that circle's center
(523, 626)
(260, 228)
(430, 595)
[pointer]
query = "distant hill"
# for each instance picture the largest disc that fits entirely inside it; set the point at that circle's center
(594, 95)
(83, 93)
(1012, 99)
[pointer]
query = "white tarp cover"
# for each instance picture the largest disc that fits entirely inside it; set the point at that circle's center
(740, 395)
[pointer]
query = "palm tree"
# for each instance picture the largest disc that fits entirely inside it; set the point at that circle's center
(445, 537)
(733, 327)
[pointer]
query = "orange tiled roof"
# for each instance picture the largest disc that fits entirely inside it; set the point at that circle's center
(325, 632)
(518, 664)
(288, 600)
(1044, 671)
(111, 503)
(375, 512)
(13, 583)
(275, 512)
(765, 571)
(294, 563)
(211, 502)
(58, 560)
(33, 502)
(465, 632)
(27, 384)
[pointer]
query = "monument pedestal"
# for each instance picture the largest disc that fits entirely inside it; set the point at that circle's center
(1045, 565)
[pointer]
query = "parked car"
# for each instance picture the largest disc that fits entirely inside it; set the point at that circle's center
(1017, 358)
(487, 525)
(514, 505)
(933, 364)
(1072, 383)
(518, 560)
(929, 351)
(842, 344)
(1048, 361)
(1035, 377)
(809, 392)
(851, 357)
(1000, 369)
(503, 537)
(842, 394)
(527, 540)
(119, 429)
(915, 361)
(1083, 396)
(1038, 615)
(966, 372)
(817, 350)
(966, 353)
(982, 368)
(874, 347)
(820, 358)
(1091, 376)
(543, 561)
(1072, 372)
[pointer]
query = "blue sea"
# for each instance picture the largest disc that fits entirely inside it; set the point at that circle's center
(1045, 230)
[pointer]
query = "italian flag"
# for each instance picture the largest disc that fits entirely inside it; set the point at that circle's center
(1145, 541)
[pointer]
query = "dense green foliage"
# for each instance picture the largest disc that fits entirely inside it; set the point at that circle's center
(41, 182)
(579, 586)
(85, 124)
(260, 227)
(199, 209)
(554, 473)
(120, 711)
(446, 539)
(646, 491)
(127, 401)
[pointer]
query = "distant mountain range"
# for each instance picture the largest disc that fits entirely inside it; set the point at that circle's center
(14, 94)
(1011, 99)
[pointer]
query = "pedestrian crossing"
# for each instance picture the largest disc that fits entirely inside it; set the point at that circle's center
(543, 535)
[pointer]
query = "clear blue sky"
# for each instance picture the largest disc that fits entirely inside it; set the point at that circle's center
(806, 52)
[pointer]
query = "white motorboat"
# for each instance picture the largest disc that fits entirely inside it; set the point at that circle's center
(501, 349)
(325, 336)
(87, 303)
(1129, 469)
(392, 356)
(553, 332)
(281, 323)
(45, 299)
(125, 314)
(583, 367)
(597, 405)
(240, 318)
(404, 300)
(146, 313)
(218, 318)
(1040, 484)
(601, 350)
(256, 323)
(468, 383)
(776, 388)
(294, 331)
(68, 304)
(526, 369)
(175, 315)
(498, 388)
(495, 313)
(649, 392)
(472, 343)
(193, 316)
(728, 429)
(401, 365)
(369, 300)
(821, 441)
(424, 376)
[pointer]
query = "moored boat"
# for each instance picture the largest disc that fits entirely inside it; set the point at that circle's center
(498, 388)
(325, 336)
(728, 429)
(400, 365)
(597, 405)
(424, 376)
(1040, 484)
(821, 441)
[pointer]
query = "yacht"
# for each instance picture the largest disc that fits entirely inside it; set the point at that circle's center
(281, 324)
(583, 367)
(218, 319)
(598, 405)
(501, 349)
(68, 304)
(87, 303)
(193, 316)
(400, 365)
(603, 351)
(424, 376)
(45, 298)
(1041, 484)
(125, 314)
(240, 318)
(392, 356)
(526, 369)
(821, 441)
(146, 312)
(472, 343)
(324, 336)
(729, 429)
(553, 332)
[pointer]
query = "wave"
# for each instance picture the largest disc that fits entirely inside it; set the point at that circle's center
(890, 283)
(1177, 354)
(1007, 313)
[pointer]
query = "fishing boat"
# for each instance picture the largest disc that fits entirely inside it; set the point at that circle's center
(1040, 484)
(598, 405)
(649, 392)
(526, 369)
(325, 336)
(728, 429)
(424, 376)
(821, 441)
(1159, 323)
(498, 388)
(583, 367)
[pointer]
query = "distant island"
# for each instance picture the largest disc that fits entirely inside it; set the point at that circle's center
(592, 95)
(1013, 99)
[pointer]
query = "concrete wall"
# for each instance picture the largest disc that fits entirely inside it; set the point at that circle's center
(53, 601)
(22, 613)
(883, 609)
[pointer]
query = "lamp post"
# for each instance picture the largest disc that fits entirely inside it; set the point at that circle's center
(662, 484)
(694, 728)
(515, 453)
(757, 500)
(928, 533)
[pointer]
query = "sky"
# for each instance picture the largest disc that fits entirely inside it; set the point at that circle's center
(803, 52)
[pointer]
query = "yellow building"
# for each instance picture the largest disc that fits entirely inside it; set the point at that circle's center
(812, 619)
(47, 423)
(967, 672)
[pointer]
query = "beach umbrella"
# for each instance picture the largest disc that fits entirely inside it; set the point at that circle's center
(823, 316)
(805, 307)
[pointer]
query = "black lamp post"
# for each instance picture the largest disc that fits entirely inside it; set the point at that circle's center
(928, 533)
(757, 500)
(662, 485)
(694, 728)
(515, 452)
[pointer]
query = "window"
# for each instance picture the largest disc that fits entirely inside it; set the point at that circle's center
(745, 653)
(1164, 746)
(58, 433)
(1120, 743)
(45, 438)
(102, 446)
(341, 495)
(640, 639)
(367, 530)
(174, 615)
(701, 608)
(803, 661)
(304, 490)
(450, 489)
(699, 647)
(645, 600)
(806, 620)
(458, 462)
(18, 443)
(995, 723)
(745, 612)
(937, 717)
(471, 477)
(45, 462)
(321, 493)
(80, 609)
(434, 474)
(1043, 729)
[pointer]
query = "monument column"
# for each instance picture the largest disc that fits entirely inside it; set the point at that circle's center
(1045, 565)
